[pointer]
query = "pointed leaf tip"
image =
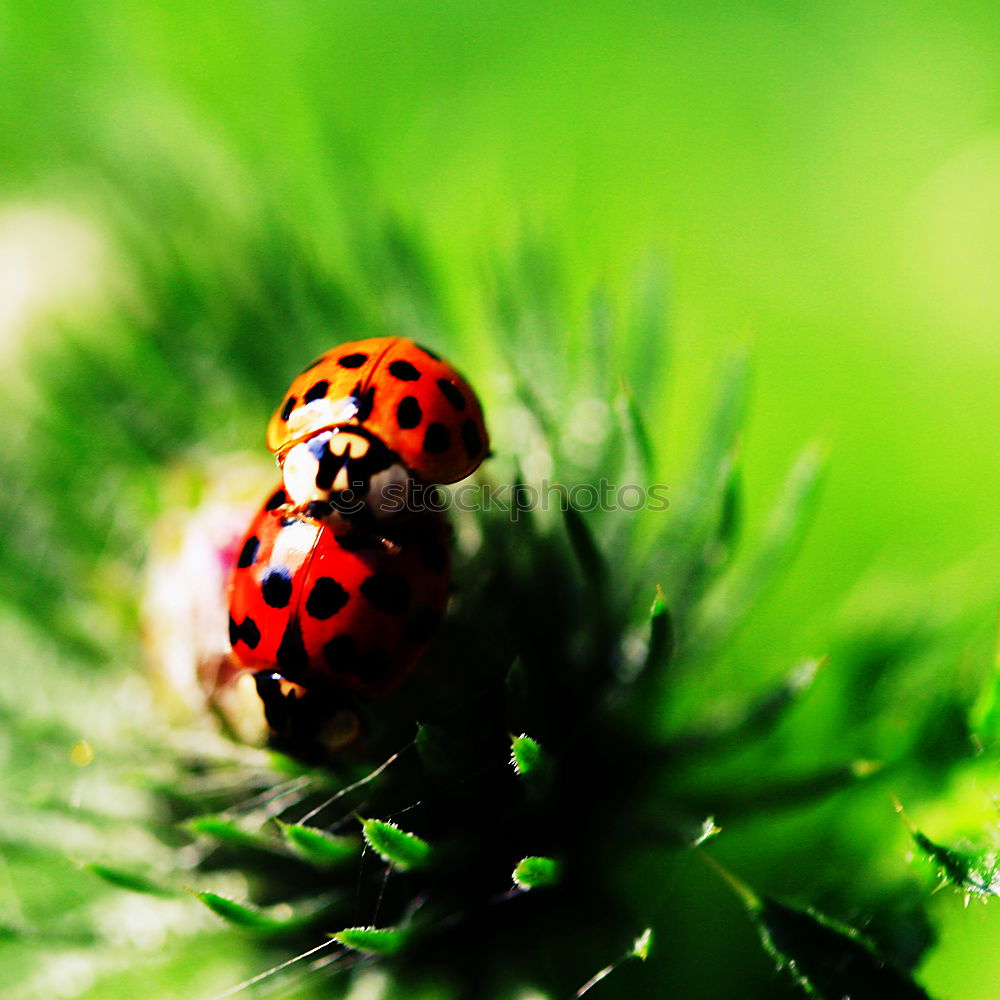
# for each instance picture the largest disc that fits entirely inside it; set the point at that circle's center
(830, 960)
(373, 940)
(252, 918)
(318, 847)
(643, 944)
(396, 847)
(536, 873)
(132, 881)
(706, 832)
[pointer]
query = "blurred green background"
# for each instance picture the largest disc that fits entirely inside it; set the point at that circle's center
(819, 181)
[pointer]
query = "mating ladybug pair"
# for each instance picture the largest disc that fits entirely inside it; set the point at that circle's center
(340, 580)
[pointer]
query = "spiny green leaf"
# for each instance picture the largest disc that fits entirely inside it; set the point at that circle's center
(974, 874)
(439, 752)
(397, 847)
(526, 754)
(325, 850)
(229, 831)
(978, 876)
(281, 920)
(532, 764)
(829, 960)
(536, 873)
(374, 940)
(132, 881)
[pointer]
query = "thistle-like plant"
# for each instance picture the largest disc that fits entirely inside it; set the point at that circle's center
(526, 808)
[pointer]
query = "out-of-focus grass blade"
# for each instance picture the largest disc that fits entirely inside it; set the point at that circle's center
(635, 433)
(660, 650)
(728, 415)
(727, 604)
(986, 715)
(683, 550)
(587, 553)
(735, 726)
(132, 881)
(784, 792)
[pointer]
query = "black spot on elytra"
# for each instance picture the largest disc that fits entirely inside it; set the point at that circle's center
(291, 655)
(277, 588)
(247, 632)
(288, 407)
(354, 541)
(352, 360)
(248, 553)
(373, 666)
(318, 391)
(278, 499)
(408, 413)
(404, 371)
(452, 393)
(340, 654)
(423, 623)
(428, 352)
(343, 657)
(326, 598)
(437, 438)
(366, 404)
(432, 553)
(387, 592)
(471, 438)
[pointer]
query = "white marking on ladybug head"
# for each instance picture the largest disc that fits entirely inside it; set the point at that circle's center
(300, 469)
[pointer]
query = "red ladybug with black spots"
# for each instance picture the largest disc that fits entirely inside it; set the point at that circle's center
(319, 615)
(366, 419)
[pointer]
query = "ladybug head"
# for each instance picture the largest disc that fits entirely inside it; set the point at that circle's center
(345, 472)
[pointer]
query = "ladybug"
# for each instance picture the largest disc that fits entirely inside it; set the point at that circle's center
(366, 418)
(319, 615)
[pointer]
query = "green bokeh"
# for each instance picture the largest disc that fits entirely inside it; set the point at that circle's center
(821, 181)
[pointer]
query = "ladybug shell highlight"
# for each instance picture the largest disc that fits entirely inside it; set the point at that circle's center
(341, 610)
(414, 402)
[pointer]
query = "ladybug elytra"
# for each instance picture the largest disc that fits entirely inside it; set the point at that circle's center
(319, 614)
(367, 417)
